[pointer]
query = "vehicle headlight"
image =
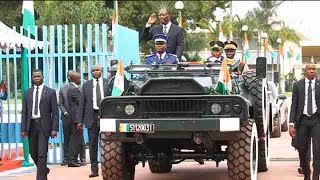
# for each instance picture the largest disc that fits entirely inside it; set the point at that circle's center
(237, 108)
(215, 108)
(129, 109)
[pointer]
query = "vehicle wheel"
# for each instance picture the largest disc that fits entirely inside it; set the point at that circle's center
(277, 129)
(264, 153)
(257, 88)
(116, 162)
(160, 165)
(284, 125)
(243, 154)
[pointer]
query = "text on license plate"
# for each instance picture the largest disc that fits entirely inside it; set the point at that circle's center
(142, 128)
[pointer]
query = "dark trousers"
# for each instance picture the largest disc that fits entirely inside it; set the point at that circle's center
(76, 143)
(66, 137)
(308, 154)
(38, 145)
(309, 127)
(93, 133)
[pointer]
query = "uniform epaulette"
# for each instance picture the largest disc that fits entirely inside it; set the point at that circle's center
(150, 55)
(173, 55)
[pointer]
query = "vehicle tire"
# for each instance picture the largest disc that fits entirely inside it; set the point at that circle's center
(116, 162)
(257, 88)
(284, 125)
(243, 154)
(160, 165)
(277, 129)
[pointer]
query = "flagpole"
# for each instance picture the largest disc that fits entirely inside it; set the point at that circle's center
(28, 27)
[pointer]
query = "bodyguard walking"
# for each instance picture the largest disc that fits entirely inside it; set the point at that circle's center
(305, 119)
(39, 121)
(93, 91)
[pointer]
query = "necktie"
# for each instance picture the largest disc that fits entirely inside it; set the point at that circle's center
(309, 107)
(160, 57)
(36, 101)
(98, 93)
(165, 30)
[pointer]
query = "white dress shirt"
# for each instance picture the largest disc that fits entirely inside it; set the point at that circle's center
(314, 105)
(162, 55)
(167, 27)
(34, 101)
(95, 105)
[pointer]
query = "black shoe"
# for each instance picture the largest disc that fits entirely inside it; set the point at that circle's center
(300, 170)
(73, 164)
(200, 161)
(93, 175)
(64, 163)
(83, 162)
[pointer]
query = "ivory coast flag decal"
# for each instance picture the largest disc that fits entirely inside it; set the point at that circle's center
(118, 86)
(124, 127)
(224, 85)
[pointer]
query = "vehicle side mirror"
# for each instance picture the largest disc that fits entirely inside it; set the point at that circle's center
(261, 67)
(282, 96)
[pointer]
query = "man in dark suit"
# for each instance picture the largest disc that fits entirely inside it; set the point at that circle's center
(39, 121)
(93, 91)
(175, 44)
(76, 135)
(305, 119)
(64, 106)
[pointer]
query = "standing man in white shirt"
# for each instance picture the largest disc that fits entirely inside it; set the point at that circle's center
(39, 121)
(175, 44)
(305, 119)
(93, 91)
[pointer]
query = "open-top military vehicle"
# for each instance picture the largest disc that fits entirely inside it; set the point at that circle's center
(170, 113)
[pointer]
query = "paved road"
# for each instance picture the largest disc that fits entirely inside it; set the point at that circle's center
(283, 166)
(285, 170)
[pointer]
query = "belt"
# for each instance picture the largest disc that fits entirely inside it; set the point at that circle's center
(310, 116)
(36, 120)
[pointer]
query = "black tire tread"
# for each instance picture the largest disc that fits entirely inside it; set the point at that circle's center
(114, 165)
(239, 155)
(254, 86)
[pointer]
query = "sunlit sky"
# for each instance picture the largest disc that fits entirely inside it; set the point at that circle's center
(303, 16)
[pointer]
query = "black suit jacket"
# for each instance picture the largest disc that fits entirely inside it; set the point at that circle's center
(48, 110)
(63, 101)
(175, 44)
(86, 111)
(298, 98)
(74, 96)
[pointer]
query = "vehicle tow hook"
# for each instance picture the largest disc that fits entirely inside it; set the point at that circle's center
(140, 139)
(198, 138)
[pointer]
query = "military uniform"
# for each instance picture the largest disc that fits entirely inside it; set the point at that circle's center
(216, 47)
(230, 48)
(167, 59)
(161, 57)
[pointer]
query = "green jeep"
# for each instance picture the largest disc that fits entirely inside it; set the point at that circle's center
(171, 113)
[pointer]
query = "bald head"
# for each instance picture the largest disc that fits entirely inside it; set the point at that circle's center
(310, 71)
(76, 78)
(96, 71)
(69, 74)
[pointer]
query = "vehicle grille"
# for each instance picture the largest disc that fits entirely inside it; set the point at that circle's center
(173, 108)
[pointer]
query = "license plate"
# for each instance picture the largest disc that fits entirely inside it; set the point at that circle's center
(141, 128)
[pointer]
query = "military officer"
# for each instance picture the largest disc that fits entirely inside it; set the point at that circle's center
(161, 56)
(216, 49)
(230, 49)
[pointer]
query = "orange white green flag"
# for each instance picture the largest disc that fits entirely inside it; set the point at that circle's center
(224, 85)
(245, 46)
(118, 86)
(221, 36)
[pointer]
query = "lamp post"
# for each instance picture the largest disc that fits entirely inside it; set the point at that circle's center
(244, 29)
(279, 41)
(179, 6)
(263, 38)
